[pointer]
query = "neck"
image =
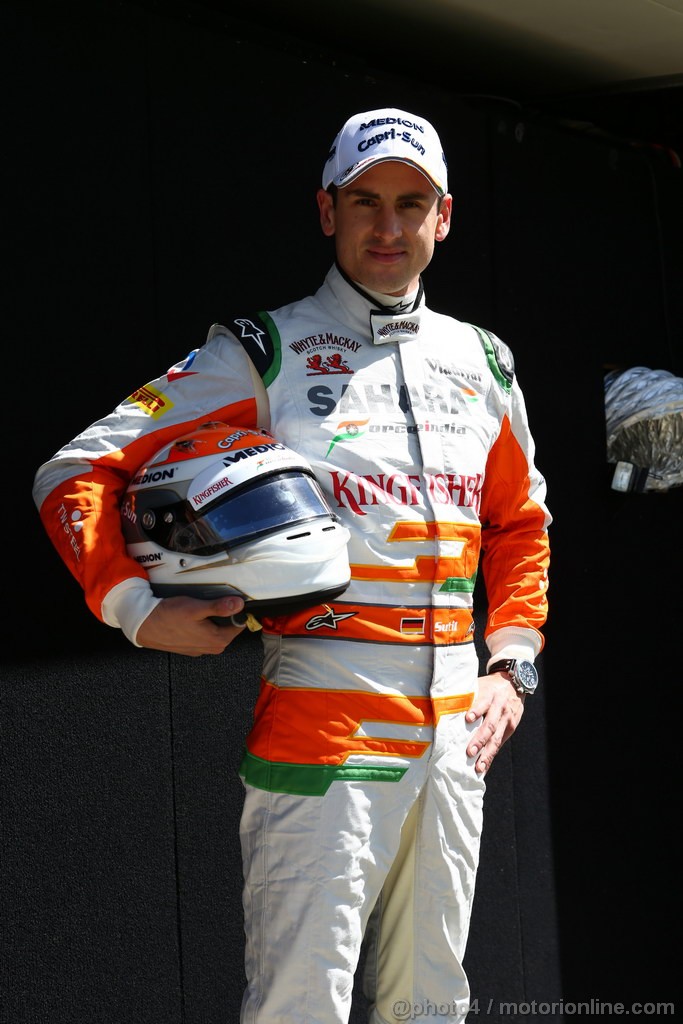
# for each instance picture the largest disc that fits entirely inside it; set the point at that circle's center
(386, 303)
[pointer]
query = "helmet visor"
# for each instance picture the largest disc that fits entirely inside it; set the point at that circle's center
(268, 504)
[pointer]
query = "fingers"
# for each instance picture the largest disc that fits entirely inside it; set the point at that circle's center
(485, 752)
(222, 608)
(500, 708)
(485, 745)
(187, 625)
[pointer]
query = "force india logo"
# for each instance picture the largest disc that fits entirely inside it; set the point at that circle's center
(348, 430)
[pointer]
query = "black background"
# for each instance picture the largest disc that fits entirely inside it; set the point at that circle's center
(161, 167)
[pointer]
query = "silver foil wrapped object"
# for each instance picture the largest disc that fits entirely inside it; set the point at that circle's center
(644, 414)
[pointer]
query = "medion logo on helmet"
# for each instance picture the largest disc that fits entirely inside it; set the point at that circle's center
(153, 477)
(248, 453)
(155, 556)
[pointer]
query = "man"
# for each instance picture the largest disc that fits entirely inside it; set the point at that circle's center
(364, 769)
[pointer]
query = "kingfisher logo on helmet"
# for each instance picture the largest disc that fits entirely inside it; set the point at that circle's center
(226, 510)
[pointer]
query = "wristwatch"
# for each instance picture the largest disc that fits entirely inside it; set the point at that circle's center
(523, 674)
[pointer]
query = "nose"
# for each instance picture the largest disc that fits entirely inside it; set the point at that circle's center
(387, 225)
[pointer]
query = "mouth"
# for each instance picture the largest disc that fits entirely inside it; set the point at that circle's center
(387, 257)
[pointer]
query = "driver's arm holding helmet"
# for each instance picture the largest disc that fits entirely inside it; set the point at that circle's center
(81, 490)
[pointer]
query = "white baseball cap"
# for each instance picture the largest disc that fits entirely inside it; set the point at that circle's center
(386, 134)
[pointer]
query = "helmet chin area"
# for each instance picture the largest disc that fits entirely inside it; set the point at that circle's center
(226, 511)
(273, 575)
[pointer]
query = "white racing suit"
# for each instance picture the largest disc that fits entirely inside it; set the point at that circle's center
(359, 794)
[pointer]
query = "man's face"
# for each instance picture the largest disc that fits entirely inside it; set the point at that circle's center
(385, 225)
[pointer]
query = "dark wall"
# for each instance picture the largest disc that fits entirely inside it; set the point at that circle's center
(587, 260)
(162, 172)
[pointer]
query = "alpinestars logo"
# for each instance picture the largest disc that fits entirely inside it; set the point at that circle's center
(329, 620)
(400, 307)
(250, 330)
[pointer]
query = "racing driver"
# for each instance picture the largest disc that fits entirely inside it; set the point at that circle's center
(364, 771)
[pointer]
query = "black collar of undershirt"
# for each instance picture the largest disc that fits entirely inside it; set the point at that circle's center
(387, 310)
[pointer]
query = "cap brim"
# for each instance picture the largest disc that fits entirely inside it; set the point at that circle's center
(342, 180)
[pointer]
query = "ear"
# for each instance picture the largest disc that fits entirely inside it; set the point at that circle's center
(443, 221)
(327, 212)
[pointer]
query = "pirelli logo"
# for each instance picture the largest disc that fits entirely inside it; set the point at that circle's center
(151, 400)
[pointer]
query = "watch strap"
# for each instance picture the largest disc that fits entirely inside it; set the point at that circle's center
(504, 665)
(523, 674)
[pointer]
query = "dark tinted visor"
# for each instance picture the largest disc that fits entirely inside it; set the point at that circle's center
(267, 504)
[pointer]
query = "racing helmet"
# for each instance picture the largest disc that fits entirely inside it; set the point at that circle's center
(226, 510)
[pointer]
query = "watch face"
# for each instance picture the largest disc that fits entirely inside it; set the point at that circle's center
(527, 676)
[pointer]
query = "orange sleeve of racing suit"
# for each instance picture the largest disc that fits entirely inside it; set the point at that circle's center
(79, 490)
(515, 520)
